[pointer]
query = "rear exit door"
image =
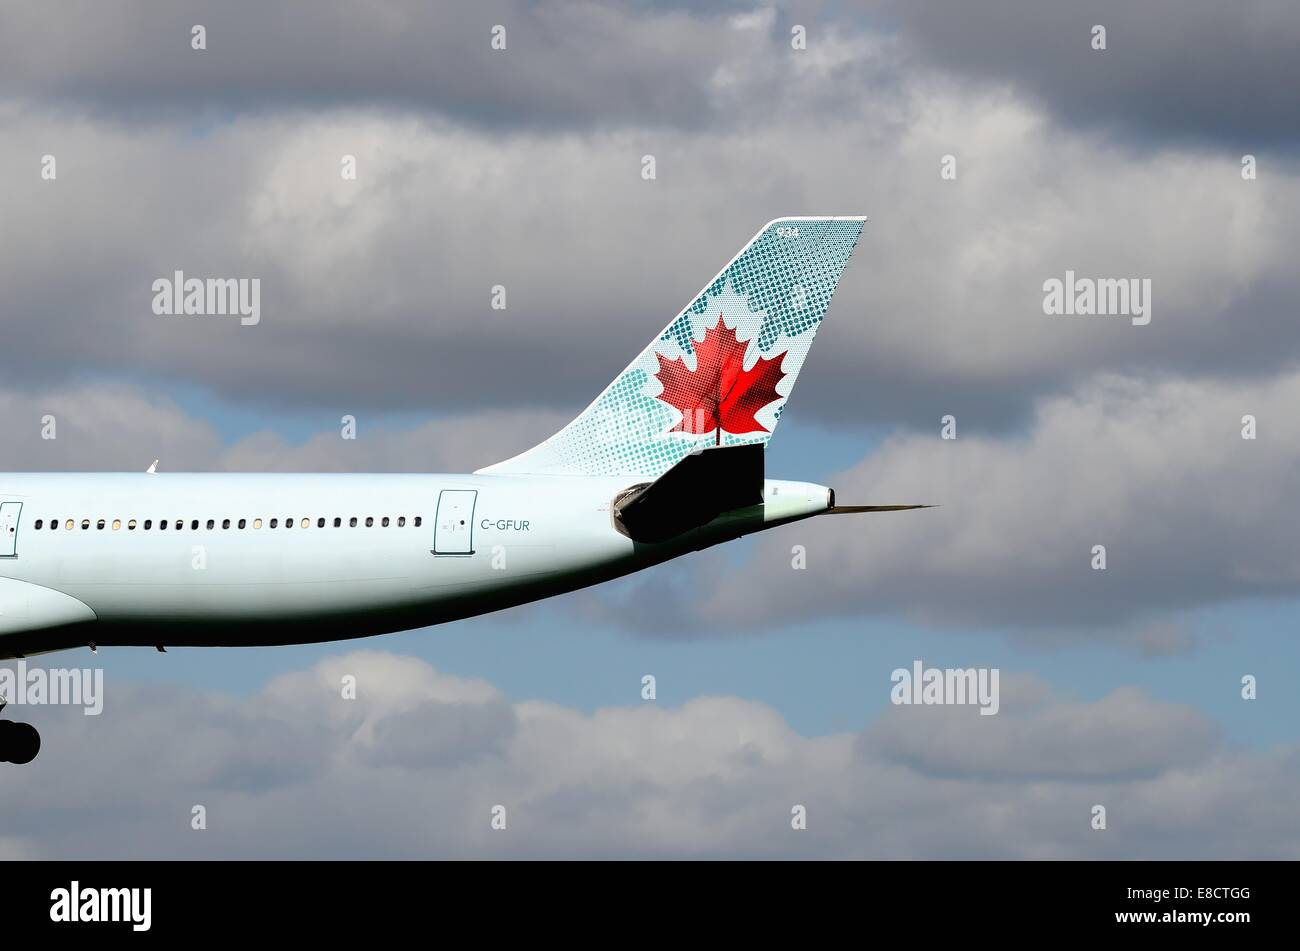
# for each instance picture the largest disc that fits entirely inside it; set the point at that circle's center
(453, 528)
(9, 512)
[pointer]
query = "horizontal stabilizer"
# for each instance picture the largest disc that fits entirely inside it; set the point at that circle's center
(692, 493)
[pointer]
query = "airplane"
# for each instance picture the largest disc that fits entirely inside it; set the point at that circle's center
(667, 460)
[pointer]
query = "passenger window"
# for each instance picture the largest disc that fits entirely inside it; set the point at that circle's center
(385, 521)
(306, 523)
(148, 524)
(352, 522)
(257, 523)
(180, 523)
(70, 525)
(288, 522)
(39, 523)
(370, 521)
(275, 522)
(85, 524)
(418, 519)
(338, 522)
(401, 521)
(130, 526)
(99, 525)
(320, 523)
(117, 523)
(243, 522)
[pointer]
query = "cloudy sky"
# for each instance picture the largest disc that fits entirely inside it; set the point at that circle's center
(522, 167)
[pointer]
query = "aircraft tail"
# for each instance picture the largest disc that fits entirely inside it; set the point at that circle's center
(720, 373)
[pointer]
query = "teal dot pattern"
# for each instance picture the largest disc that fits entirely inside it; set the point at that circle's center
(777, 290)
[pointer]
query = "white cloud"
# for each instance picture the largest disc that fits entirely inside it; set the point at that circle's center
(281, 773)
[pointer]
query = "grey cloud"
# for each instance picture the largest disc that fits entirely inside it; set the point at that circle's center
(1173, 72)
(567, 64)
(376, 292)
(119, 427)
(715, 777)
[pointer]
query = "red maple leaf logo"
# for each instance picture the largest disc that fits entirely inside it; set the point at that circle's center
(720, 394)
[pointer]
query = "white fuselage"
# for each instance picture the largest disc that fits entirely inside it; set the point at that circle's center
(318, 557)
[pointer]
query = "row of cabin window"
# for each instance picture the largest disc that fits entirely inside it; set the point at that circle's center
(384, 522)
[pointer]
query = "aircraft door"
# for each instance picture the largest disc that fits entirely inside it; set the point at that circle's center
(9, 512)
(453, 531)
